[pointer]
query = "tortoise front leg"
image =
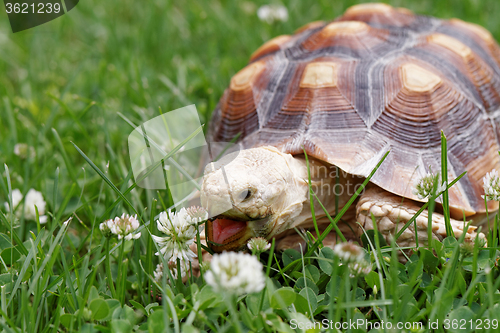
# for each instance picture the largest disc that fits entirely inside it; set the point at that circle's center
(392, 212)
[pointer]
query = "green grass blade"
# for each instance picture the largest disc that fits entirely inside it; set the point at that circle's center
(31, 256)
(233, 140)
(4, 316)
(332, 221)
(78, 262)
(62, 231)
(346, 207)
(67, 162)
(156, 165)
(174, 89)
(414, 217)
(160, 150)
(311, 192)
(378, 257)
(444, 176)
(105, 178)
(10, 118)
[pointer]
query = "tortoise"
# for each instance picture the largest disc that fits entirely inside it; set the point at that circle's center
(376, 79)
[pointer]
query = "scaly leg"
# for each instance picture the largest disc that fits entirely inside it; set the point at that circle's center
(392, 212)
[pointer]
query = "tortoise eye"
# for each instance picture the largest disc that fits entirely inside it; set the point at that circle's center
(245, 195)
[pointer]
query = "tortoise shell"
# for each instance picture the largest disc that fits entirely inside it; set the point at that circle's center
(377, 78)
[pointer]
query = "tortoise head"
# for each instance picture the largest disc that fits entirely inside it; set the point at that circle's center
(258, 193)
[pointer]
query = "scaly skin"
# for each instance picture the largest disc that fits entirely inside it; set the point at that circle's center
(392, 212)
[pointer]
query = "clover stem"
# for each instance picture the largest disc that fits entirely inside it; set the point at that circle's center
(121, 281)
(198, 245)
(108, 270)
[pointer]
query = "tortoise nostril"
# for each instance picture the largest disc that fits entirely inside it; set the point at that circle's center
(245, 195)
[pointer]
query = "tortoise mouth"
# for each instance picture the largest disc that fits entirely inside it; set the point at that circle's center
(224, 230)
(225, 234)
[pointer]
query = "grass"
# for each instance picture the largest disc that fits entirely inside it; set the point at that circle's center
(63, 89)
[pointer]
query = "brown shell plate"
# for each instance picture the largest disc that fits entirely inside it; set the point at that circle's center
(377, 78)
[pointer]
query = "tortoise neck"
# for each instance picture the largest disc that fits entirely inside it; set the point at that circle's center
(332, 188)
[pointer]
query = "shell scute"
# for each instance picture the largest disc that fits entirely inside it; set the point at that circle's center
(377, 78)
(379, 14)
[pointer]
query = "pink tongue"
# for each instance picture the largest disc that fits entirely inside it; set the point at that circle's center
(224, 229)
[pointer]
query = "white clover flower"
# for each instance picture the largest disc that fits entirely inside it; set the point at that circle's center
(17, 197)
(106, 231)
(425, 185)
(197, 214)
(360, 268)
(258, 245)
(491, 185)
(22, 150)
(172, 266)
(158, 273)
(349, 252)
(122, 226)
(235, 273)
(180, 230)
(272, 13)
(33, 198)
